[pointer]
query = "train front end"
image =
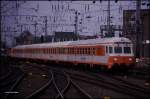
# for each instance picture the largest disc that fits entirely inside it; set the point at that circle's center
(121, 56)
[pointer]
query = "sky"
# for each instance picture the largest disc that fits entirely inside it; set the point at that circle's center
(61, 16)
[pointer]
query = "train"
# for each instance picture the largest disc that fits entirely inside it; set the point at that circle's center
(114, 52)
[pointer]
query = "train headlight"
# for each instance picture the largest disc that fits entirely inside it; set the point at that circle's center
(115, 59)
(130, 59)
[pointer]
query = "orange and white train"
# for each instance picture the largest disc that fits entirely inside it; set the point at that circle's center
(106, 52)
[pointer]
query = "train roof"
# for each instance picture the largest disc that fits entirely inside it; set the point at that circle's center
(79, 42)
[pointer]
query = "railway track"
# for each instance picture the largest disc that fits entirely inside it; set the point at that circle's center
(25, 86)
(72, 90)
(9, 81)
(42, 92)
(61, 86)
(10, 77)
(5, 73)
(125, 86)
(140, 73)
(113, 84)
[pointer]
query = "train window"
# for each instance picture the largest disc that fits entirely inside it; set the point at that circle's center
(110, 49)
(86, 50)
(127, 50)
(55, 50)
(52, 50)
(118, 49)
(68, 50)
(89, 51)
(80, 50)
(93, 51)
(106, 49)
(46, 50)
(60, 50)
(72, 50)
(43, 51)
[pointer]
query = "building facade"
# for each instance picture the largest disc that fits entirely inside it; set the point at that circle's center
(129, 31)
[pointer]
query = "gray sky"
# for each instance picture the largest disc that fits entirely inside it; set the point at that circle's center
(61, 17)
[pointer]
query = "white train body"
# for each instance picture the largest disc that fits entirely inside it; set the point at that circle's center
(103, 52)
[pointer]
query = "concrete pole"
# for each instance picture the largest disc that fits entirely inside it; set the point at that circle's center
(138, 30)
(45, 29)
(108, 18)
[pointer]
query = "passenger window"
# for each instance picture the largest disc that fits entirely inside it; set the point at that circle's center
(110, 49)
(106, 49)
(118, 49)
(127, 50)
(89, 51)
(93, 51)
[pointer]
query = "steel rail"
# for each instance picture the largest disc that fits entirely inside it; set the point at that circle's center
(81, 90)
(131, 85)
(40, 89)
(59, 92)
(67, 86)
(12, 78)
(14, 85)
(106, 84)
(7, 75)
(128, 89)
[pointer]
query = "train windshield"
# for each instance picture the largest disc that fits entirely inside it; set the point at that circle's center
(118, 49)
(127, 50)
